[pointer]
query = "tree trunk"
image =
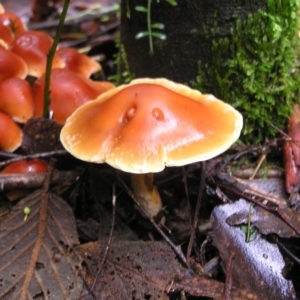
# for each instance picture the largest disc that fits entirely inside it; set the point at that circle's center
(188, 28)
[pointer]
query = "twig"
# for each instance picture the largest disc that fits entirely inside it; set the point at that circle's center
(114, 198)
(261, 160)
(175, 248)
(196, 214)
(228, 281)
(236, 156)
(187, 199)
(279, 130)
(34, 180)
(31, 156)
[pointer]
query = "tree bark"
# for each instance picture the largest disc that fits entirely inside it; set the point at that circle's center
(188, 28)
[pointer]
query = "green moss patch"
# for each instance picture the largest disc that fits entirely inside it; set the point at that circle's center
(256, 69)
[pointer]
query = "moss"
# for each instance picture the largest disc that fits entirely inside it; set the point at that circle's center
(254, 69)
(123, 72)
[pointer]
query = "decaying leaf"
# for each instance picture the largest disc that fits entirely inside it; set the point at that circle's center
(132, 270)
(257, 266)
(36, 255)
(269, 194)
(285, 222)
(265, 221)
(201, 286)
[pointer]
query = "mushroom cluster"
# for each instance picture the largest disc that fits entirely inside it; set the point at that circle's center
(23, 56)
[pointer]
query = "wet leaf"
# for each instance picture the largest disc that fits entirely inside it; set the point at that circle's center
(132, 270)
(265, 221)
(36, 255)
(254, 263)
(283, 222)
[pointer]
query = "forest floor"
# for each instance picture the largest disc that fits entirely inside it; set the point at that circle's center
(227, 229)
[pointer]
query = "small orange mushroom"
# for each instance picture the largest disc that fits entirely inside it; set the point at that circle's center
(68, 91)
(33, 47)
(16, 99)
(6, 36)
(78, 63)
(26, 166)
(13, 22)
(11, 65)
(149, 124)
(10, 133)
(23, 167)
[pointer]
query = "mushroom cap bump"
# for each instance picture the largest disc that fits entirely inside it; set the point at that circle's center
(149, 124)
(33, 47)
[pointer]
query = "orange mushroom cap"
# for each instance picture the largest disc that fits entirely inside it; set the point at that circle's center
(24, 166)
(11, 65)
(6, 36)
(149, 124)
(68, 91)
(16, 99)
(78, 63)
(10, 133)
(33, 47)
(12, 21)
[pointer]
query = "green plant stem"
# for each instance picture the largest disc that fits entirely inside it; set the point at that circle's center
(149, 27)
(50, 55)
(249, 225)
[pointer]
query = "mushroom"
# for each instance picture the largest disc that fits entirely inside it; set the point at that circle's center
(149, 124)
(78, 62)
(10, 133)
(11, 65)
(68, 91)
(33, 47)
(6, 36)
(13, 22)
(16, 99)
(26, 166)
(22, 167)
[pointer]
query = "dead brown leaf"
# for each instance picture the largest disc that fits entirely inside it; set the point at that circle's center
(201, 286)
(36, 255)
(132, 270)
(258, 265)
(266, 221)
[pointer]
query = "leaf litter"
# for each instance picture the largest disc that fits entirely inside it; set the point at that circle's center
(37, 257)
(132, 270)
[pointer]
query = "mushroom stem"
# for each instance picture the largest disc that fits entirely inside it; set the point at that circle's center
(146, 193)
